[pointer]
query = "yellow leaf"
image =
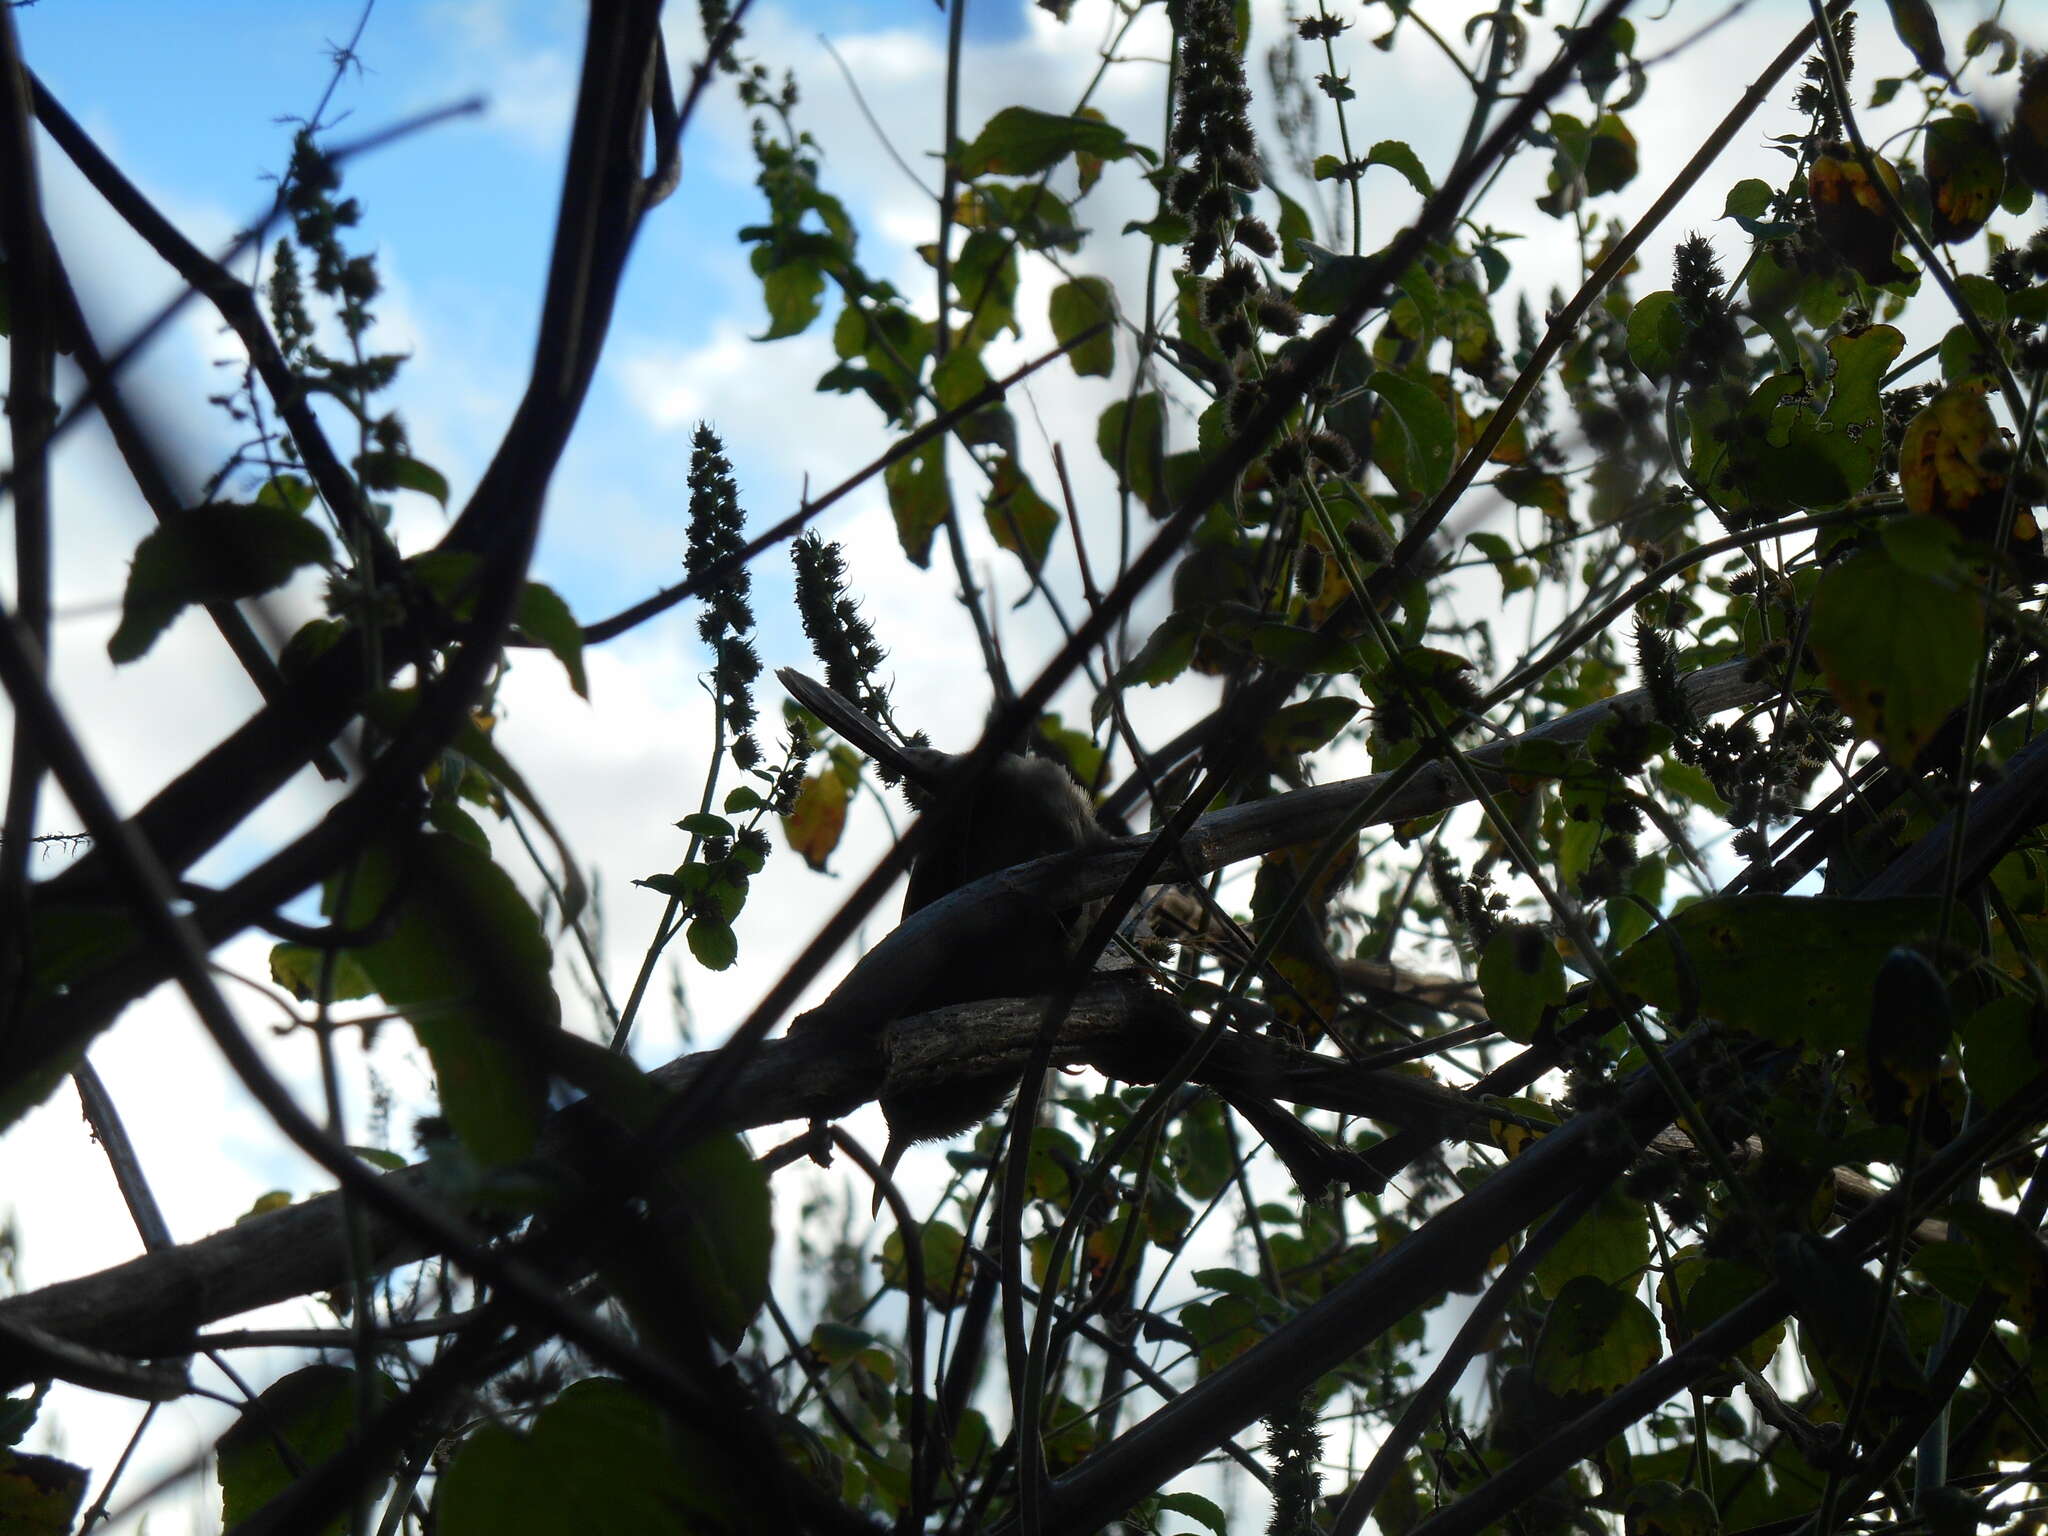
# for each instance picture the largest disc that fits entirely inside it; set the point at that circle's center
(813, 828)
(1941, 469)
(1850, 213)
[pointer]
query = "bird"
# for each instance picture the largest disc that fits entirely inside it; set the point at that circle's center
(1022, 808)
(1010, 943)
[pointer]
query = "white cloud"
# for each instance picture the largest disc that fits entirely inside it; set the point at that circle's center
(526, 59)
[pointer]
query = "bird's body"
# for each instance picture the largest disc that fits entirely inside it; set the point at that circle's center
(1023, 809)
(1020, 809)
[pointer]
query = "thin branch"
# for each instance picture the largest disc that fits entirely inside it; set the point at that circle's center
(236, 302)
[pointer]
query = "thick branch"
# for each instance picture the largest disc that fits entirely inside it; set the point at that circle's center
(154, 1304)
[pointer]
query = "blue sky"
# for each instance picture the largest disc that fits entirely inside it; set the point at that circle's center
(197, 104)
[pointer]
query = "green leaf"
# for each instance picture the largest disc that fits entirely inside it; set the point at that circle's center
(714, 944)
(1710, 1289)
(1748, 199)
(919, 498)
(1914, 21)
(313, 1413)
(401, 472)
(289, 493)
(1301, 728)
(1788, 452)
(1331, 280)
(39, 1495)
(1165, 653)
(1019, 141)
(1656, 333)
(1021, 520)
(1854, 411)
(1897, 647)
(1294, 225)
(704, 824)
(18, 1414)
(1611, 1242)
(841, 1344)
(1686, 780)
(1911, 1024)
(1428, 434)
(717, 890)
(1137, 451)
(1789, 969)
(296, 968)
(1497, 266)
(1543, 493)
(1076, 306)
(712, 1235)
(1500, 554)
(1397, 156)
(1195, 1507)
(1842, 1308)
(1595, 1338)
(1611, 156)
(792, 290)
(942, 1247)
(1167, 229)
(600, 1461)
(1031, 218)
(1520, 975)
(959, 378)
(985, 286)
(464, 959)
(218, 552)
(2003, 1047)
(543, 616)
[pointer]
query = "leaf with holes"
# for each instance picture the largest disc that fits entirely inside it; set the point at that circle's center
(919, 498)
